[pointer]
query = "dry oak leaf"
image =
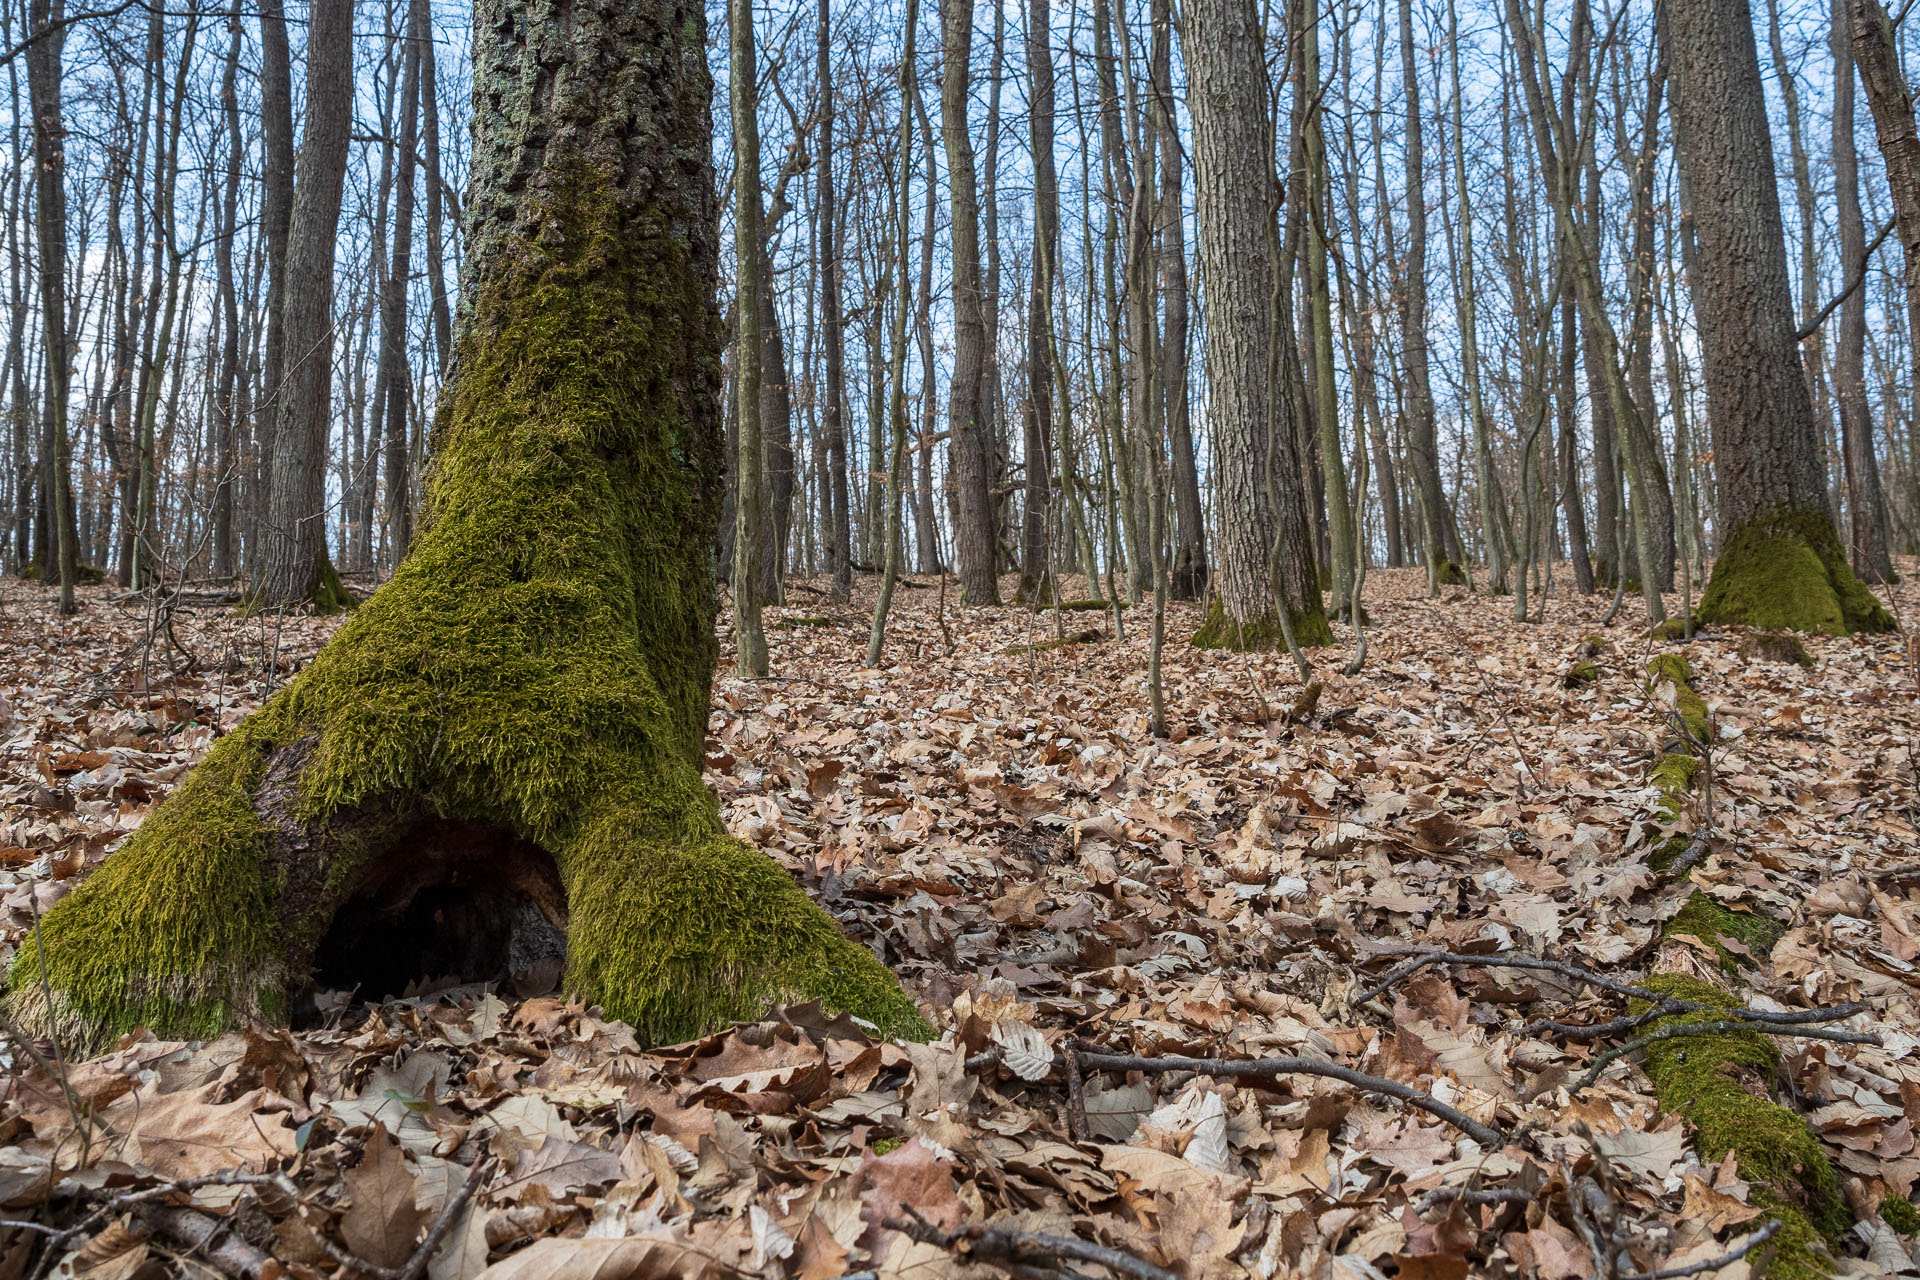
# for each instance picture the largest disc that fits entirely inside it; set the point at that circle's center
(630, 1258)
(188, 1135)
(1551, 1252)
(1711, 1207)
(912, 1174)
(384, 1221)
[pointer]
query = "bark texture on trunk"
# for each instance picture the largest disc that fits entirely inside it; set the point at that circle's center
(295, 568)
(966, 424)
(1781, 564)
(1866, 502)
(1265, 549)
(536, 674)
(1037, 414)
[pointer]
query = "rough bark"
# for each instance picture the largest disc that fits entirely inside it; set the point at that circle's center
(1188, 573)
(46, 19)
(1868, 539)
(295, 569)
(966, 424)
(1037, 417)
(1265, 551)
(839, 557)
(1422, 449)
(750, 507)
(393, 297)
(515, 720)
(1781, 564)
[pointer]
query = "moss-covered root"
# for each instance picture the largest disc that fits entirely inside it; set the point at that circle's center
(680, 939)
(1774, 646)
(175, 931)
(1788, 571)
(1722, 1085)
(1261, 635)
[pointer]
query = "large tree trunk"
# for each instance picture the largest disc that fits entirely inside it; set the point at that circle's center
(295, 568)
(1422, 449)
(1265, 546)
(966, 425)
(1188, 573)
(47, 21)
(1781, 565)
(393, 297)
(832, 414)
(509, 732)
(1037, 415)
(1866, 503)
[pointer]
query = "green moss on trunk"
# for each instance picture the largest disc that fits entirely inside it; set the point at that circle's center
(1788, 571)
(1703, 918)
(1262, 635)
(1721, 1084)
(539, 664)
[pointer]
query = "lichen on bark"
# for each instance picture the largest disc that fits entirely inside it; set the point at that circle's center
(540, 663)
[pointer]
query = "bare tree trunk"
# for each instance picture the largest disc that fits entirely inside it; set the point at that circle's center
(1866, 503)
(1188, 575)
(1422, 447)
(839, 548)
(296, 569)
(750, 487)
(966, 425)
(1876, 56)
(227, 412)
(1781, 563)
(393, 299)
(1265, 546)
(1035, 572)
(45, 20)
(276, 221)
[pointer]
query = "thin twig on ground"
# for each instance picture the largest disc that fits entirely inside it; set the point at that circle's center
(1019, 1251)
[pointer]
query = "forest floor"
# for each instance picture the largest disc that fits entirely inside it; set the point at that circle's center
(1051, 882)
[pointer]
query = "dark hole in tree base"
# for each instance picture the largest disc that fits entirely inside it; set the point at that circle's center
(449, 903)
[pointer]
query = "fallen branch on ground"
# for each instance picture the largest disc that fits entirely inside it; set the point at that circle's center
(1485, 1135)
(1681, 1030)
(1739, 1251)
(1020, 1251)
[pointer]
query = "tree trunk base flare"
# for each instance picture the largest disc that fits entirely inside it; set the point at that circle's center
(1789, 572)
(520, 710)
(1262, 635)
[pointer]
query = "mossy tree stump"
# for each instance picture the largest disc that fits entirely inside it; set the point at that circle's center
(521, 709)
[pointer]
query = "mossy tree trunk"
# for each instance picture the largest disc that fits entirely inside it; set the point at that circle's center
(1265, 549)
(525, 702)
(1781, 564)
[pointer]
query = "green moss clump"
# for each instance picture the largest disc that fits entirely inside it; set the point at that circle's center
(1671, 668)
(1788, 571)
(1670, 630)
(539, 665)
(1582, 672)
(1262, 635)
(1707, 920)
(1899, 1213)
(1667, 851)
(1450, 574)
(1721, 1084)
(1673, 773)
(795, 624)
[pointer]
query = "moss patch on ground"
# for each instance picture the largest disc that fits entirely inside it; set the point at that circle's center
(1263, 634)
(1788, 571)
(1703, 918)
(1774, 646)
(1722, 1086)
(1899, 1213)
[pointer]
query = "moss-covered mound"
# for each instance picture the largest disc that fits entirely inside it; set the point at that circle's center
(1689, 706)
(1261, 635)
(538, 666)
(1722, 1085)
(1788, 571)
